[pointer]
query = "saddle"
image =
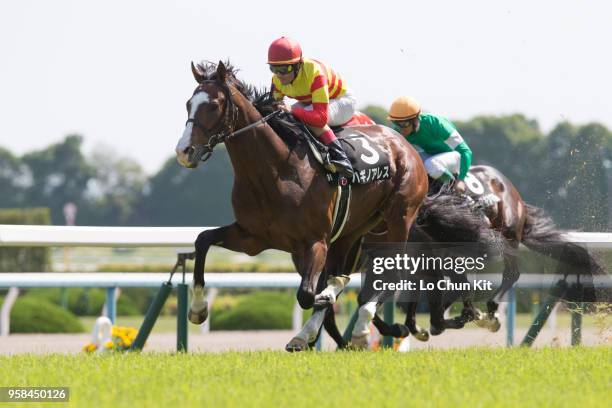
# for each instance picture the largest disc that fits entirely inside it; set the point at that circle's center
(478, 196)
(369, 161)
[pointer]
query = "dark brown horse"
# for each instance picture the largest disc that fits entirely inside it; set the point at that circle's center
(281, 197)
(517, 222)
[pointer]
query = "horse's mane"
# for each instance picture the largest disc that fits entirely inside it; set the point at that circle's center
(285, 125)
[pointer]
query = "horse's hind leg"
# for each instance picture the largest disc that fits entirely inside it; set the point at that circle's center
(399, 217)
(352, 261)
(417, 331)
(510, 275)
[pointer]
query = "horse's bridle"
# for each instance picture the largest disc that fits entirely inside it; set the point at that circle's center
(203, 152)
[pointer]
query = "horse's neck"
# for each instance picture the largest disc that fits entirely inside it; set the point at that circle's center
(258, 151)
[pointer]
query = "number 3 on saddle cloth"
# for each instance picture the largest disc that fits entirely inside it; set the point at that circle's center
(369, 161)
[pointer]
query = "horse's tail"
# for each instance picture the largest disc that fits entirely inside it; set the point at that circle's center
(540, 234)
(447, 218)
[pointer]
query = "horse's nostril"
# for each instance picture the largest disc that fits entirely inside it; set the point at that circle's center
(186, 150)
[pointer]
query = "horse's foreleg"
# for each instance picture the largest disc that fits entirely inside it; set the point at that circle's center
(232, 237)
(342, 258)
(310, 263)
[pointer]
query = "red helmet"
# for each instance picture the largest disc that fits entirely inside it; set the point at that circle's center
(284, 51)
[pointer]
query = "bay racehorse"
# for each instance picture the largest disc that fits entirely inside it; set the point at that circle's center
(281, 197)
(503, 210)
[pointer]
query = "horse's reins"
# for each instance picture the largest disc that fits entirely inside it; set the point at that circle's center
(203, 152)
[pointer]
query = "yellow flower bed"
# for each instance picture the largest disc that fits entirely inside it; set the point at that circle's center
(121, 339)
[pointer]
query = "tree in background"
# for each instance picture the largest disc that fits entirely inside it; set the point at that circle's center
(114, 190)
(15, 178)
(585, 186)
(60, 174)
(184, 197)
(377, 113)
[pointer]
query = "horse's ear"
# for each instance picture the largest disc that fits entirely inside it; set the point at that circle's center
(221, 72)
(197, 73)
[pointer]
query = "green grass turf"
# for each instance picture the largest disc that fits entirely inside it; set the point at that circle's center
(472, 378)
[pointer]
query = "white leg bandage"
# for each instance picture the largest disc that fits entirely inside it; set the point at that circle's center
(366, 314)
(198, 302)
(312, 326)
(335, 285)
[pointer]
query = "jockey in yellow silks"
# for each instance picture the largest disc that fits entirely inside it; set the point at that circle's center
(321, 93)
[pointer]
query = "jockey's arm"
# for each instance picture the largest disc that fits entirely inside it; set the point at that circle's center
(456, 142)
(317, 117)
(466, 159)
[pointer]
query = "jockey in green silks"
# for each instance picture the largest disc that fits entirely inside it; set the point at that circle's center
(443, 150)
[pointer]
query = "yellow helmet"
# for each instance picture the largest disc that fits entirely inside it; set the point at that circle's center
(404, 108)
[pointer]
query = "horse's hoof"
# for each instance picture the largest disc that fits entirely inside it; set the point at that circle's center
(469, 315)
(494, 323)
(482, 323)
(296, 344)
(359, 342)
(198, 317)
(455, 323)
(422, 335)
(436, 331)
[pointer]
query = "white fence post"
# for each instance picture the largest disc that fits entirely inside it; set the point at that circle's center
(210, 298)
(5, 313)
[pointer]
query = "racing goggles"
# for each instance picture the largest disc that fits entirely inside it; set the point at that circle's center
(403, 123)
(281, 69)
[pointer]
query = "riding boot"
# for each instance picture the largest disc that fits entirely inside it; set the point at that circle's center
(339, 160)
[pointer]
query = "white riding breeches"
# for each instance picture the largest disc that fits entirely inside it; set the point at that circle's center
(339, 110)
(442, 163)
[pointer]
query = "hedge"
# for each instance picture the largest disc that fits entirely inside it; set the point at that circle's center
(86, 302)
(261, 310)
(32, 315)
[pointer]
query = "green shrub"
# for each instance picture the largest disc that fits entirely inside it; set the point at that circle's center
(85, 301)
(138, 298)
(32, 315)
(255, 311)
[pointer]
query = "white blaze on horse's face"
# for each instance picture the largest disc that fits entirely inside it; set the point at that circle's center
(182, 148)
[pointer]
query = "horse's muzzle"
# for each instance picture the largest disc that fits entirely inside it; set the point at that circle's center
(186, 158)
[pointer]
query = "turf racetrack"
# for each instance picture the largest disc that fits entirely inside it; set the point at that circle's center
(470, 377)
